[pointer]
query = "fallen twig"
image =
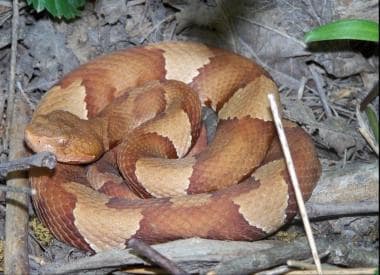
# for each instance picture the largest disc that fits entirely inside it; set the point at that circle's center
(321, 91)
(12, 73)
(294, 180)
(26, 97)
(16, 259)
(265, 259)
(42, 159)
(195, 255)
(24, 190)
(301, 88)
(153, 255)
(321, 210)
(357, 182)
(340, 271)
(203, 256)
(307, 265)
(285, 268)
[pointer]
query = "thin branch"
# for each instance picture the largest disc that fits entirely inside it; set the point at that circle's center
(314, 12)
(301, 88)
(42, 159)
(294, 180)
(305, 265)
(323, 210)
(153, 255)
(286, 268)
(26, 97)
(155, 27)
(16, 259)
(14, 189)
(340, 271)
(321, 91)
(12, 73)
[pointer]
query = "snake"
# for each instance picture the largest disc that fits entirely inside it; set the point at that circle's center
(134, 160)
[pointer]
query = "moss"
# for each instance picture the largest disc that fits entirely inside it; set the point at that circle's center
(41, 233)
(286, 236)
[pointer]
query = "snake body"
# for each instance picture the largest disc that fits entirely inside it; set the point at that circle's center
(140, 109)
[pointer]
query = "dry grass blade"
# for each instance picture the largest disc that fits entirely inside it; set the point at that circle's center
(366, 132)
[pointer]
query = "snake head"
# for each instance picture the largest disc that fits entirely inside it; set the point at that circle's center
(70, 138)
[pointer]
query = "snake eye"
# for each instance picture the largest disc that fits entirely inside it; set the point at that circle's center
(62, 141)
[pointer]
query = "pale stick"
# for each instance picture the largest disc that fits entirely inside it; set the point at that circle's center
(294, 180)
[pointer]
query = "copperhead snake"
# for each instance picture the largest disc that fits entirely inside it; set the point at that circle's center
(140, 109)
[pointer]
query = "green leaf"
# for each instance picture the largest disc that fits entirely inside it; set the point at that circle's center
(67, 9)
(355, 29)
(373, 122)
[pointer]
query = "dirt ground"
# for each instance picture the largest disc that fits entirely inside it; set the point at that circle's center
(269, 31)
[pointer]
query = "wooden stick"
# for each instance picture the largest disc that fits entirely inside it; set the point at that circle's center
(12, 73)
(294, 180)
(16, 260)
(321, 91)
(42, 159)
(153, 255)
(341, 271)
(320, 210)
(17, 204)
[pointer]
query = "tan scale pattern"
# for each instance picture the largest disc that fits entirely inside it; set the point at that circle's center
(271, 198)
(251, 100)
(217, 81)
(179, 135)
(200, 201)
(166, 172)
(70, 98)
(100, 216)
(183, 60)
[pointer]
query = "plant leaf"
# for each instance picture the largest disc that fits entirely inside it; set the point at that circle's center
(356, 29)
(67, 9)
(373, 122)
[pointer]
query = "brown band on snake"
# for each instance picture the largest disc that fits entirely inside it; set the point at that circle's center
(131, 102)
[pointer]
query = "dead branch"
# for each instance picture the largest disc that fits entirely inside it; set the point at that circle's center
(339, 271)
(42, 159)
(16, 259)
(327, 210)
(356, 182)
(151, 254)
(267, 258)
(193, 255)
(17, 204)
(221, 257)
(321, 91)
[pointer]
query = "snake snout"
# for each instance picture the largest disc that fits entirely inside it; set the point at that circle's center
(68, 137)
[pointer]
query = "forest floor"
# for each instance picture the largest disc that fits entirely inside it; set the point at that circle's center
(321, 86)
